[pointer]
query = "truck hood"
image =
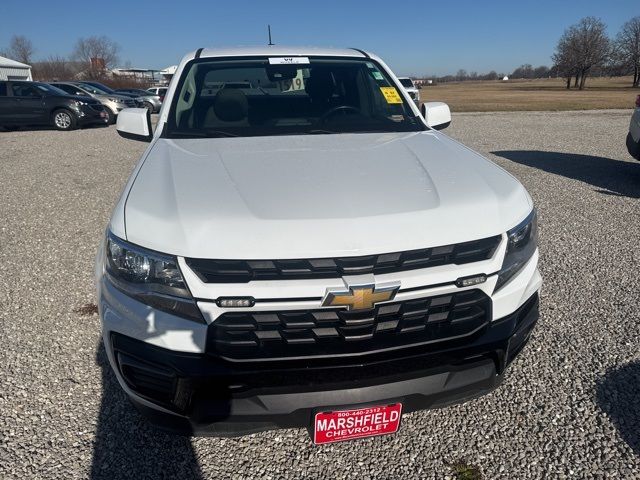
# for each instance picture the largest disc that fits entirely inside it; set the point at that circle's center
(312, 196)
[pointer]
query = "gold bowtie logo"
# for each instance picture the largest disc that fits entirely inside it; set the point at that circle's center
(360, 296)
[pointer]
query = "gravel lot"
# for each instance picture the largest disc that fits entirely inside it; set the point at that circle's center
(570, 407)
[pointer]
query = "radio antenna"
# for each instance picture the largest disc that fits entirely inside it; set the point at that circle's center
(269, 28)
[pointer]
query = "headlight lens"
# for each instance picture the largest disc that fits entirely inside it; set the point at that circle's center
(150, 277)
(522, 243)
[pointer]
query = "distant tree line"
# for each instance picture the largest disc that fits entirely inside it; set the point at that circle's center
(583, 50)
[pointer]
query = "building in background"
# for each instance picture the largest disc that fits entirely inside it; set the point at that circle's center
(168, 73)
(12, 70)
(137, 73)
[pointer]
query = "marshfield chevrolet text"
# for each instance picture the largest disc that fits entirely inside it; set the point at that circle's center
(300, 246)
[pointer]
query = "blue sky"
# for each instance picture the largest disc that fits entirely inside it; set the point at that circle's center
(414, 37)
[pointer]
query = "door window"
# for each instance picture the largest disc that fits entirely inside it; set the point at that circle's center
(24, 90)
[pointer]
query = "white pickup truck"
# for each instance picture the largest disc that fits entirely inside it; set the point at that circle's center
(305, 249)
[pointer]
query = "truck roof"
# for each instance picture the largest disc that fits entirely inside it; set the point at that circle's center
(279, 50)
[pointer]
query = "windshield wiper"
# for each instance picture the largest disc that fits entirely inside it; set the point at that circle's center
(319, 131)
(207, 134)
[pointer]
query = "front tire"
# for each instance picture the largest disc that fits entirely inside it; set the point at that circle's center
(149, 106)
(64, 120)
(111, 115)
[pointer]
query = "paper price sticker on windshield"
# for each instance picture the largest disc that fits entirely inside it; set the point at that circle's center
(288, 60)
(391, 95)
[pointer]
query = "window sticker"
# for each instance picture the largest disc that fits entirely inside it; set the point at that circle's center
(288, 60)
(371, 65)
(377, 75)
(294, 84)
(391, 95)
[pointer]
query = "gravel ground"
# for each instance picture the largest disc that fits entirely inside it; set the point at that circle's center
(569, 408)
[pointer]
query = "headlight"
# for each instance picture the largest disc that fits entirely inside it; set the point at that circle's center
(522, 243)
(150, 277)
(79, 103)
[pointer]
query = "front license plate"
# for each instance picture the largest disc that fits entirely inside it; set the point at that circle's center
(340, 425)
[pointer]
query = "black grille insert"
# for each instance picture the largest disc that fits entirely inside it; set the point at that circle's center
(330, 332)
(150, 380)
(243, 271)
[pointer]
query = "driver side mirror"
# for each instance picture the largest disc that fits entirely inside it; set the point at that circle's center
(436, 114)
(135, 124)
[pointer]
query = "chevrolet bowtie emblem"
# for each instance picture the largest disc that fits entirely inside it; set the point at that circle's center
(361, 293)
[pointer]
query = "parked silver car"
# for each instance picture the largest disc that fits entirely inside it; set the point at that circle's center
(161, 91)
(150, 101)
(113, 103)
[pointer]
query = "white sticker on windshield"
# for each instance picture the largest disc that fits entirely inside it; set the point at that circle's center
(289, 60)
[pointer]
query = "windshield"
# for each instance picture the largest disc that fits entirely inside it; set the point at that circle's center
(266, 96)
(406, 82)
(95, 90)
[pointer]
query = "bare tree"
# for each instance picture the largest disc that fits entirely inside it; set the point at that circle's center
(97, 53)
(581, 48)
(627, 48)
(564, 58)
(55, 68)
(541, 72)
(20, 49)
(523, 71)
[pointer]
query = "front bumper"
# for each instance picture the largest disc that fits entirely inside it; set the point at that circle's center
(198, 394)
(167, 367)
(90, 116)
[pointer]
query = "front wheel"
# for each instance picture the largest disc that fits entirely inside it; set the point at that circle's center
(111, 115)
(149, 106)
(64, 120)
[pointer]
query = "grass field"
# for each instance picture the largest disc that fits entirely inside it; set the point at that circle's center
(541, 94)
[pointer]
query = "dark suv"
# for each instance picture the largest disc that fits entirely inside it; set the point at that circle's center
(36, 103)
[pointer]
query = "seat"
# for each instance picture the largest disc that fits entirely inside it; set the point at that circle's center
(229, 108)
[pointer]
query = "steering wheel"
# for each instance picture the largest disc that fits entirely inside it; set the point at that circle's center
(334, 110)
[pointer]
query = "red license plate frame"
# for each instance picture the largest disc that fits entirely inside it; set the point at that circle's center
(331, 426)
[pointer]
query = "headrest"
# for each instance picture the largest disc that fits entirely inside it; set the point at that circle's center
(319, 86)
(230, 105)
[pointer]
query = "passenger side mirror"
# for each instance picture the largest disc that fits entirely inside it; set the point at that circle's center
(135, 124)
(436, 114)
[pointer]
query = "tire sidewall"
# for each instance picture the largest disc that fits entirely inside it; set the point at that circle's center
(73, 121)
(112, 116)
(149, 106)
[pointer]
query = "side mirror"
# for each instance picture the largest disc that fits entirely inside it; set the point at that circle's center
(135, 124)
(436, 114)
